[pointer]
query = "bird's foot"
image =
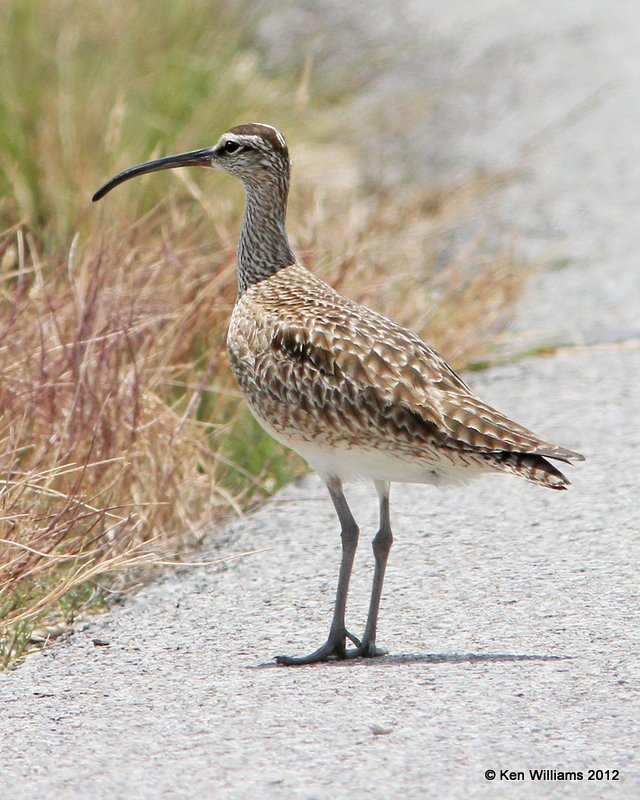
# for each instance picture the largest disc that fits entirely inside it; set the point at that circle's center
(334, 649)
(367, 650)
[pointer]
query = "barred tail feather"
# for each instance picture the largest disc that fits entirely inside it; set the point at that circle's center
(533, 468)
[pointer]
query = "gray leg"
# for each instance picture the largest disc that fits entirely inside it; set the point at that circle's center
(381, 547)
(335, 647)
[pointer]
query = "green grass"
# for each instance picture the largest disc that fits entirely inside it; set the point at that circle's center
(122, 435)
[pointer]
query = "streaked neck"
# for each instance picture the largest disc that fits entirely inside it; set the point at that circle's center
(263, 248)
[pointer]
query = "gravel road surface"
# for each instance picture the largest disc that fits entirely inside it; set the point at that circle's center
(510, 611)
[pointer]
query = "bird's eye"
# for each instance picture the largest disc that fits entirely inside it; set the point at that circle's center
(231, 146)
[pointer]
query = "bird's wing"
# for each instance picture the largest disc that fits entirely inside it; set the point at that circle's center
(362, 368)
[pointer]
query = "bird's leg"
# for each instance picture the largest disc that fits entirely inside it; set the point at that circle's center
(381, 546)
(335, 647)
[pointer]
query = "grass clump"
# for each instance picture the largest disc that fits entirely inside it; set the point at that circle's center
(122, 437)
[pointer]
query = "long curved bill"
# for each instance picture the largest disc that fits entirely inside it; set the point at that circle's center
(195, 158)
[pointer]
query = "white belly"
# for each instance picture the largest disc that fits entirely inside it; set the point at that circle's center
(361, 463)
(357, 463)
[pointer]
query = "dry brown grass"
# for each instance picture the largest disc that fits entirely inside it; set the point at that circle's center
(101, 450)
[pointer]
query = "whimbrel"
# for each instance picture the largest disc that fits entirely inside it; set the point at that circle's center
(352, 392)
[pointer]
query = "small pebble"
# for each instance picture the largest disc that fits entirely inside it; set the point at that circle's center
(379, 730)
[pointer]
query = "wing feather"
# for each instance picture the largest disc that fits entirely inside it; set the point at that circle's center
(325, 353)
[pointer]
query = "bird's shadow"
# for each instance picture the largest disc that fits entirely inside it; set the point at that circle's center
(424, 658)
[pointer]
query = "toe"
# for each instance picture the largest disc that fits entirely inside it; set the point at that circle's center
(367, 650)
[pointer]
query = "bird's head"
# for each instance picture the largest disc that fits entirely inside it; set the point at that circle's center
(254, 153)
